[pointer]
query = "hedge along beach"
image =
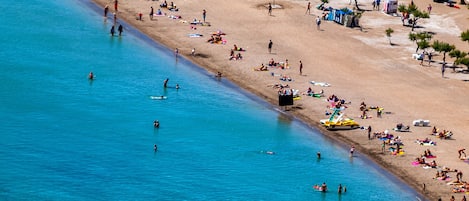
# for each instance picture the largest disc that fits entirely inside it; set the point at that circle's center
(360, 65)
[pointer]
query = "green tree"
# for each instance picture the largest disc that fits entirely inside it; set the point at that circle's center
(389, 31)
(443, 47)
(423, 44)
(465, 36)
(418, 38)
(414, 13)
(465, 61)
(459, 55)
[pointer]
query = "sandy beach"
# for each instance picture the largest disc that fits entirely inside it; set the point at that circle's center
(360, 65)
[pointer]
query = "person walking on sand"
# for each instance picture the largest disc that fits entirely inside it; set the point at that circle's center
(429, 58)
(318, 23)
(301, 68)
(106, 10)
(429, 8)
(352, 149)
(204, 14)
(308, 9)
(369, 132)
(270, 46)
(443, 70)
(115, 18)
(383, 146)
(115, 5)
(270, 9)
(151, 13)
(461, 152)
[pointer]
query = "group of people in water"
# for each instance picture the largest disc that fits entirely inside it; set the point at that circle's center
(323, 188)
(120, 28)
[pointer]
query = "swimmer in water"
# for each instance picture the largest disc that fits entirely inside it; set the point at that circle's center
(177, 86)
(323, 187)
(270, 152)
(155, 148)
(165, 84)
(156, 124)
(91, 76)
(319, 155)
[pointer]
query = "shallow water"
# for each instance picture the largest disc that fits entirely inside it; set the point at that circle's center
(64, 137)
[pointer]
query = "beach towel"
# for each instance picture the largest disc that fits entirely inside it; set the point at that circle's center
(430, 156)
(415, 163)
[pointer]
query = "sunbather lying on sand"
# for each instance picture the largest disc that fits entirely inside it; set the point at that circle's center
(426, 142)
(444, 134)
(218, 33)
(286, 78)
(261, 68)
(236, 48)
(281, 86)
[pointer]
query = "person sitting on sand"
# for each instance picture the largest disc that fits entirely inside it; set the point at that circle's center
(211, 40)
(238, 56)
(272, 62)
(364, 115)
(164, 4)
(432, 164)
(235, 57)
(427, 153)
(362, 106)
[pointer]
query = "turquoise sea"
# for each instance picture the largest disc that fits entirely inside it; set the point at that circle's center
(64, 137)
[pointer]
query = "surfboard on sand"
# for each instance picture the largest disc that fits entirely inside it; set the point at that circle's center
(322, 84)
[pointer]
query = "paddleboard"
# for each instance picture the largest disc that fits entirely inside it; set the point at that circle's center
(158, 97)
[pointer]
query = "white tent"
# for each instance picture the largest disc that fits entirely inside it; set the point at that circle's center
(390, 6)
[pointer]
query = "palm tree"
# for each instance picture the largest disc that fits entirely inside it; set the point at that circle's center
(443, 47)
